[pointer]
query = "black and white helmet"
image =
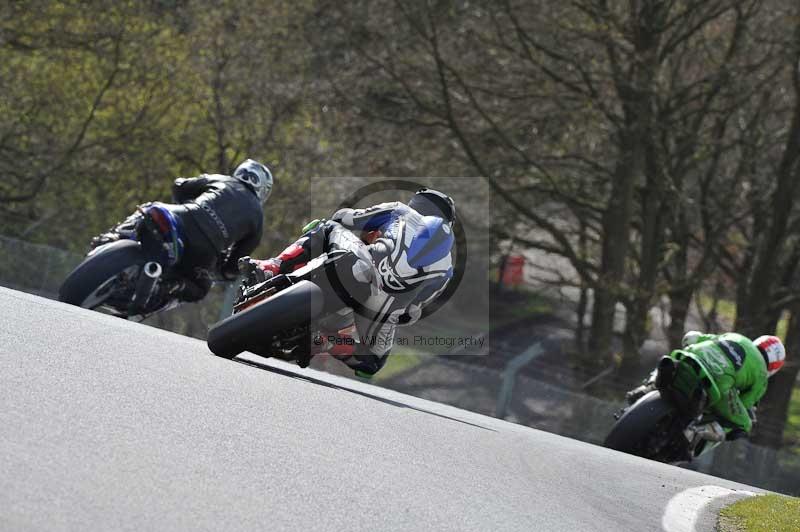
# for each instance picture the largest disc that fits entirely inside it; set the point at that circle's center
(429, 202)
(257, 176)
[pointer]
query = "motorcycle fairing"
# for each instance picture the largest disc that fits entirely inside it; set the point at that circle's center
(691, 372)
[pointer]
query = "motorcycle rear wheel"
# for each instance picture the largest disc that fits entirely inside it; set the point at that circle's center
(92, 282)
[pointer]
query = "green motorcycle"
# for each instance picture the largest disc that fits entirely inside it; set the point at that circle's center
(671, 421)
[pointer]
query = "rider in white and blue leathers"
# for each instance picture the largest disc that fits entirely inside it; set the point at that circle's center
(410, 247)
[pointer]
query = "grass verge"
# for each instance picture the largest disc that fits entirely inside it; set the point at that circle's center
(765, 513)
(401, 360)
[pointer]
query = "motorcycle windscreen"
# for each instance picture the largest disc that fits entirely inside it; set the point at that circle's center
(690, 373)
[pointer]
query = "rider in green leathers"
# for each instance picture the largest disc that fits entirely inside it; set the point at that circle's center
(739, 367)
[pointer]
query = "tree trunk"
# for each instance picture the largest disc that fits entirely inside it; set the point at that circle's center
(679, 303)
(650, 254)
(637, 157)
(753, 314)
(774, 407)
(616, 232)
(635, 331)
(756, 314)
(682, 290)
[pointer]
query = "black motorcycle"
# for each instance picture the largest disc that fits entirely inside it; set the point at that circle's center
(283, 315)
(672, 422)
(132, 275)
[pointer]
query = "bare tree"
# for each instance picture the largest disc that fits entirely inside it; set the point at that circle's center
(592, 122)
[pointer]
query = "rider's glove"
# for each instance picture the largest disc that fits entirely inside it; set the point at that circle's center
(251, 271)
(229, 270)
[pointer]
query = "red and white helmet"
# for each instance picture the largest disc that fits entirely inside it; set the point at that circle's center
(774, 352)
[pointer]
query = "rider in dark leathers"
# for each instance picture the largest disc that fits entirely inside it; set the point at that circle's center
(220, 218)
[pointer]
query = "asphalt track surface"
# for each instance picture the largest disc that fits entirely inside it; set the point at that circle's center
(111, 425)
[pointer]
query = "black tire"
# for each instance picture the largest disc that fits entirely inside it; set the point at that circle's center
(638, 422)
(295, 306)
(99, 268)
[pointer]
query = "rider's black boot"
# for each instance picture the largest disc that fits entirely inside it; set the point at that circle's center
(637, 393)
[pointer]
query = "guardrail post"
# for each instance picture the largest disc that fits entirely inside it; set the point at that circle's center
(510, 376)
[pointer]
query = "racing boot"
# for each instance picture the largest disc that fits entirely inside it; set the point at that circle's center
(105, 238)
(640, 391)
(126, 229)
(711, 431)
(637, 393)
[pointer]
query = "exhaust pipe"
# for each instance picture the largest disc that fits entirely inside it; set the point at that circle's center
(153, 270)
(145, 287)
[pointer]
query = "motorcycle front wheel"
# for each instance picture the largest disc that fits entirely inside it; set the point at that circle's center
(651, 417)
(293, 307)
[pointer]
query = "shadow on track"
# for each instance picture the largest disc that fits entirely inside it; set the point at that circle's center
(287, 373)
